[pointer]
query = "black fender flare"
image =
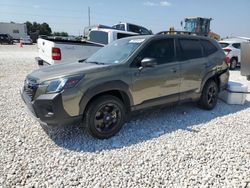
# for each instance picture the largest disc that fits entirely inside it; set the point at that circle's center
(208, 76)
(102, 88)
(212, 74)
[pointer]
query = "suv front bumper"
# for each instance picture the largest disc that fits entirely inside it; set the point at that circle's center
(48, 110)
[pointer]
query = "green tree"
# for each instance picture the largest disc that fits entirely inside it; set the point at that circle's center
(44, 28)
(62, 34)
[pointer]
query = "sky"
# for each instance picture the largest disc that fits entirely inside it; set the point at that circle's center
(230, 17)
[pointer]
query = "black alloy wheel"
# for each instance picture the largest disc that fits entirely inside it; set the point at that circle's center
(209, 96)
(105, 116)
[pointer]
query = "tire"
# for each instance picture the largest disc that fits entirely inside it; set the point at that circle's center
(209, 96)
(233, 63)
(105, 116)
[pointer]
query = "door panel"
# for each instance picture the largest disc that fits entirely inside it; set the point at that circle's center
(159, 81)
(192, 65)
(192, 72)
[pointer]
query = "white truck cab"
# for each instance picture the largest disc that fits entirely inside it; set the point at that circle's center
(54, 51)
(132, 28)
(106, 36)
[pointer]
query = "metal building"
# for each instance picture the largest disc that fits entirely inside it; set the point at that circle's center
(16, 30)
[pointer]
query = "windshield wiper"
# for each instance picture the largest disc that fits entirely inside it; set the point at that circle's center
(81, 60)
(95, 62)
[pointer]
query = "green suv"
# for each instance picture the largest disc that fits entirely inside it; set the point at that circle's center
(129, 74)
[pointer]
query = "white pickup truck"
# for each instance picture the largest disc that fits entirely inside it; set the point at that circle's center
(52, 51)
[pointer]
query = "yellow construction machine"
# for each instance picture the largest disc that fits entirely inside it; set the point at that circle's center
(200, 26)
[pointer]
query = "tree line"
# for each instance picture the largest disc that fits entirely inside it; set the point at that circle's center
(43, 29)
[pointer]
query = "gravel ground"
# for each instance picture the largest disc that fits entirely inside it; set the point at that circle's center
(172, 147)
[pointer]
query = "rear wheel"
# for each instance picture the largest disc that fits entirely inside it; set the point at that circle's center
(209, 95)
(105, 116)
(233, 63)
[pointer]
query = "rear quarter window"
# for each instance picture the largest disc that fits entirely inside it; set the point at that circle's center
(208, 47)
(190, 49)
(98, 37)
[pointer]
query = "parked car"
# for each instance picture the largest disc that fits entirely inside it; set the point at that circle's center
(132, 28)
(232, 51)
(53, 51)
(129, 74)
(6, 39)
(26, 40)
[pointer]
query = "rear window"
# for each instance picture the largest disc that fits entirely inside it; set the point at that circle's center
(208, 47)
(191, 49)
(223, 44)
(98, 37)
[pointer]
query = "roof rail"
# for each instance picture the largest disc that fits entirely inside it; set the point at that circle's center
(180, 33)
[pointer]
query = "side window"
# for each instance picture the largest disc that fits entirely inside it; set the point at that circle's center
(144, 31)
(134, 28)
(190, 49)
(162, 50)
(122, 27)
(119, 27)
(208, 47)
(236, 45)
(123, 35)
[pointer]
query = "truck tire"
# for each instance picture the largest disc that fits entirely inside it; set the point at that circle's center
(209, 96)
(233, 63)
(105, 116)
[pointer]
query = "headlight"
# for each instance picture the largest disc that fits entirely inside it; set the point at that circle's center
(55, 86)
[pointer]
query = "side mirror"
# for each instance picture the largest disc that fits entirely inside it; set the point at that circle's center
(148, 62)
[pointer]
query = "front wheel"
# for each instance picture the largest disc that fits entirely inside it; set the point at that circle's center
(105, 116)
(209, 95)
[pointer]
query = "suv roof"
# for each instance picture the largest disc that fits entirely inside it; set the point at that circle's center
(186, 36)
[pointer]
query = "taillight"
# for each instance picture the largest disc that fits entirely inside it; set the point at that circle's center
(227, 50)
(227, 60)
(56, 54)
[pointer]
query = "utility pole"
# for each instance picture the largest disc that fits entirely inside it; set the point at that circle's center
(89, 14)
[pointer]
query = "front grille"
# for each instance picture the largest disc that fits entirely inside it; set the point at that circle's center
(30, 87)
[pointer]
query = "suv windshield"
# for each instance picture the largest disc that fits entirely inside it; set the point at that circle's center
(116, 52)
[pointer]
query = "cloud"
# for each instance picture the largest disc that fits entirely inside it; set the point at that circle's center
(165, 4)
(157, 4)
(36, 6)
(150, 4)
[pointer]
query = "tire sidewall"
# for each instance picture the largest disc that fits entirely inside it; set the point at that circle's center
(204, 100)
(91, 112)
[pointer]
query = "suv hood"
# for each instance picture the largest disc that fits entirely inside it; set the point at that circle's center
(65, 69)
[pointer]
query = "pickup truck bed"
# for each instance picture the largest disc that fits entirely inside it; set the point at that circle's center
(53, 51)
